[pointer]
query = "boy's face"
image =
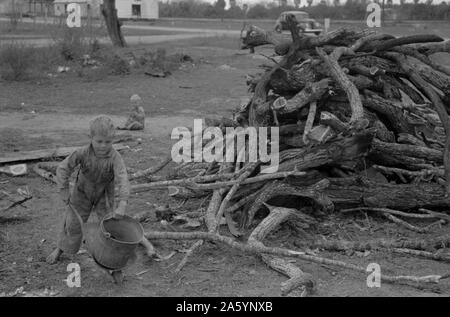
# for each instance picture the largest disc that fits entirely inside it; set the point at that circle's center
(102, 144)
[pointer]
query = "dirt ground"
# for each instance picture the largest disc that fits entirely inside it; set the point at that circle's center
(56, 112)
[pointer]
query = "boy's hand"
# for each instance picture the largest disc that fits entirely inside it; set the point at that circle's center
(118, 214)
(120, 211)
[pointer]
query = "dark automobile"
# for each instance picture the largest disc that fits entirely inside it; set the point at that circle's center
(303, 21)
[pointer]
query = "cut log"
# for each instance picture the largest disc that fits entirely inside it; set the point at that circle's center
(187, 182)
(309, 121)
(438, 104)
(422, 173)
(339, 150)
(388, 44)
(312, 92)
(396, 120)
(360, 43)
(362, 82)
(295, 141)
(373, 62)
(224, 204)
(292, 128)
(231, 224)
(252, 180)
(435, 78)
(424, 254)
(412, 93)
(297, 278)
(342, 245)
(357, 192)
(334, 122)
(47, 154)
(432, 48)
(406, 138)
(320, 134)
(423, 58)
(366, 71)
(295, 79)
(352, 92)
(381, 131)
(391, 160)
(214, 204)
(259, 99)
(405, 224)
(390, 88)
(314, 192)
(400, 150)
(397, 213)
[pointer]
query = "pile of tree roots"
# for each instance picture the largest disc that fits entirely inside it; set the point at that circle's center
(363, 126)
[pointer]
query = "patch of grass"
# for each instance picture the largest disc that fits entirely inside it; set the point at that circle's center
(16, 61)
(159, 60)
(20, 61)
(73, 43)
(125, 61)
(89, 74)
(94, 28)
(108, 61)
(46, 58)
(70, 44)
(117, 65)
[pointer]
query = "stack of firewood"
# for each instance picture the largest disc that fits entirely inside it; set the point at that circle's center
(363, 123)
(362, 120)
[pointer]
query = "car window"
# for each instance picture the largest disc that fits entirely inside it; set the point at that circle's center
(301, 16)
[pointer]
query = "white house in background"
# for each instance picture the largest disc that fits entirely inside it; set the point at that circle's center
(88, 7)
(137, 9)
(126, 9)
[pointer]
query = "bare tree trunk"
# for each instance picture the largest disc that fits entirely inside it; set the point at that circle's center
(113, 24)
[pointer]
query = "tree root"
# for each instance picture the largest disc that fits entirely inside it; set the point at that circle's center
(258, 249)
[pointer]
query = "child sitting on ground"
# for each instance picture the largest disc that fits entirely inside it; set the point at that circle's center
(136, 119)
(101, 167)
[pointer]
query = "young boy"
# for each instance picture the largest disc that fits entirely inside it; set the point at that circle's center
(136, 119)
(101, 167)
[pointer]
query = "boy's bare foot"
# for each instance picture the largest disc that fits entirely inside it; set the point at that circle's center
(54, 256)
(151, 254)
